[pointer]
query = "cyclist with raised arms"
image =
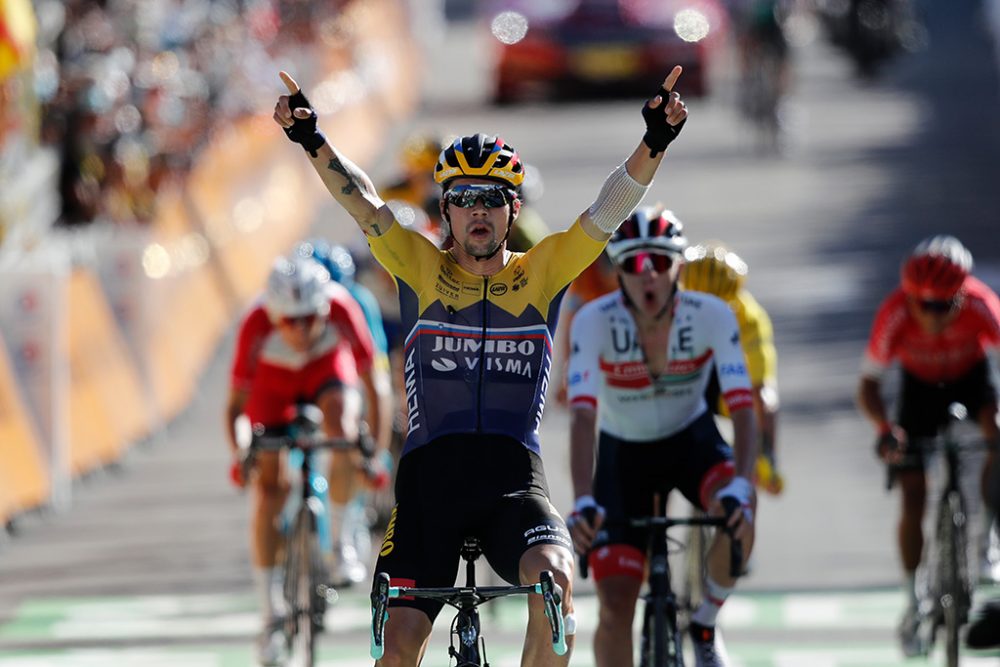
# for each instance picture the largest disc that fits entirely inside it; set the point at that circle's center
(306, 339)
(639, 365)
(479, 324)
(940, 325)
(714, 269)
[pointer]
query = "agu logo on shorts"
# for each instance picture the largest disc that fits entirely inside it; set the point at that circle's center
(387, 544)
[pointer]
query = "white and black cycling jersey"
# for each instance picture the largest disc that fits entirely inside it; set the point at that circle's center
(607, 368)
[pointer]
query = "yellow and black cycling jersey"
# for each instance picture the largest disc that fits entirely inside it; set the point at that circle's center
(478, 349)
(757, 337)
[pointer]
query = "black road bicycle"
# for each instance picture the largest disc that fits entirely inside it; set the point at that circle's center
(946, 602)
(467, 648)
(307, 589)
(661, 640)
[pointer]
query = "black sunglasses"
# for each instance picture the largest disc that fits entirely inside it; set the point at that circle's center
(466, 196)
(637, 263)
(937, 306)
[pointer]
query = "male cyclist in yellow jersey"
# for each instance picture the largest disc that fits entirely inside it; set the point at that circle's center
(714, 269)
(479, 323)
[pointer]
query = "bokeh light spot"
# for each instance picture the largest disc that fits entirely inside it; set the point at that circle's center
(156, 261)
(691, 25)
(509, 27)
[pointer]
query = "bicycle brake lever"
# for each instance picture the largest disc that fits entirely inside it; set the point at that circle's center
(380, 615)
(551, 594)
(589, 515)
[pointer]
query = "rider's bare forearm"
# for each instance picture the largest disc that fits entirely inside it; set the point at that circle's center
(744, 441)
(641, 167)
(871, 403)
(378, 398)
(234, 408)
(582, 442)
(766, 411)
(352, 189)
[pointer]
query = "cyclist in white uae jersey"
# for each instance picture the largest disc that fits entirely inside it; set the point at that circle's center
(640, 360)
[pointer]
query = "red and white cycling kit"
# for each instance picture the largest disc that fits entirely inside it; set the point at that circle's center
(277, 376)
(656, 434)
(934, 358)
(607, 368)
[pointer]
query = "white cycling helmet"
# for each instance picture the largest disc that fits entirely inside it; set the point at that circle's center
(297, 287)
(648, 229)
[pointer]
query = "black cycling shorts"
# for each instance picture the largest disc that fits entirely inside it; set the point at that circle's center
(630, 474)
(923, 406)
(485, 486)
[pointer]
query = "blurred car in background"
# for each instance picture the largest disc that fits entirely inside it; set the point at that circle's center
(600, 48)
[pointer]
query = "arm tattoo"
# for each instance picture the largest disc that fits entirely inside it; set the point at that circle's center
(336, 165)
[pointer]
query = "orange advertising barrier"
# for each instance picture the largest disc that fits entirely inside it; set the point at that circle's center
(107, 411)
(187, 307)
(24, 481)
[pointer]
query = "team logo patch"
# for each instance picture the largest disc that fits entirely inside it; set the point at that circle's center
(498, 289)
(443, 365)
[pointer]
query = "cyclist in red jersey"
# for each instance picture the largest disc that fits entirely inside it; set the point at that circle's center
(941, 325)
(305, 340)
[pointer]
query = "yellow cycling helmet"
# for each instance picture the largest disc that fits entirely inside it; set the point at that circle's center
(480, 156)
(419, 152)
(715, 269)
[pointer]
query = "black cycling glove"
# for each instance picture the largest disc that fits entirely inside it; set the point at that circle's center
(659, 133)
(304, 131)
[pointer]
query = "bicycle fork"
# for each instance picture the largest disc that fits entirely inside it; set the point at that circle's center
(661, 645)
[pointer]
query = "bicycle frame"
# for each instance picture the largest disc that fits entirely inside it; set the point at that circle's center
(468, 648)
(306, 588)
(661, 638)
(952, 588)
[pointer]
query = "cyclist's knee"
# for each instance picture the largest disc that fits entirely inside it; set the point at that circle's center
(268, 481)
(557, 560)
(341, 410)
(618, 596)
(405, 637)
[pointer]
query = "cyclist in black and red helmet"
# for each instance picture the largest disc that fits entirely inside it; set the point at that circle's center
(940, 325)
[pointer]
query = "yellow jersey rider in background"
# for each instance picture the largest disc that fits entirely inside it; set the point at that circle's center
(714, 269)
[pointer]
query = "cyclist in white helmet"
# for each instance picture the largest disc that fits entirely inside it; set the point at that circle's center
(304, 340)
(640, 361)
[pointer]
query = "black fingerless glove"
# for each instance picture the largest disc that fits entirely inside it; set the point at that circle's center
(304, 131)
(885, 443)
(659, 133)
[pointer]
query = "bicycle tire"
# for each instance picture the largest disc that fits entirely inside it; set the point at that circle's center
(954, 586)
(661, 641)
(302, 588)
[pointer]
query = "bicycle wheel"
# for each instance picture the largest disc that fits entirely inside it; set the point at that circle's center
(303, 580)
(661, 641)
(954, 593)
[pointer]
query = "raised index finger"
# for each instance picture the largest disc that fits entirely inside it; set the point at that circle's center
(290, 82)
(671, 80)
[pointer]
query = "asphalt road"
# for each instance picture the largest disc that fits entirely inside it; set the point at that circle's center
(871, 169)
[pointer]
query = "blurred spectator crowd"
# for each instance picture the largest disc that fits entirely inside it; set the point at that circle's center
(131, 90)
